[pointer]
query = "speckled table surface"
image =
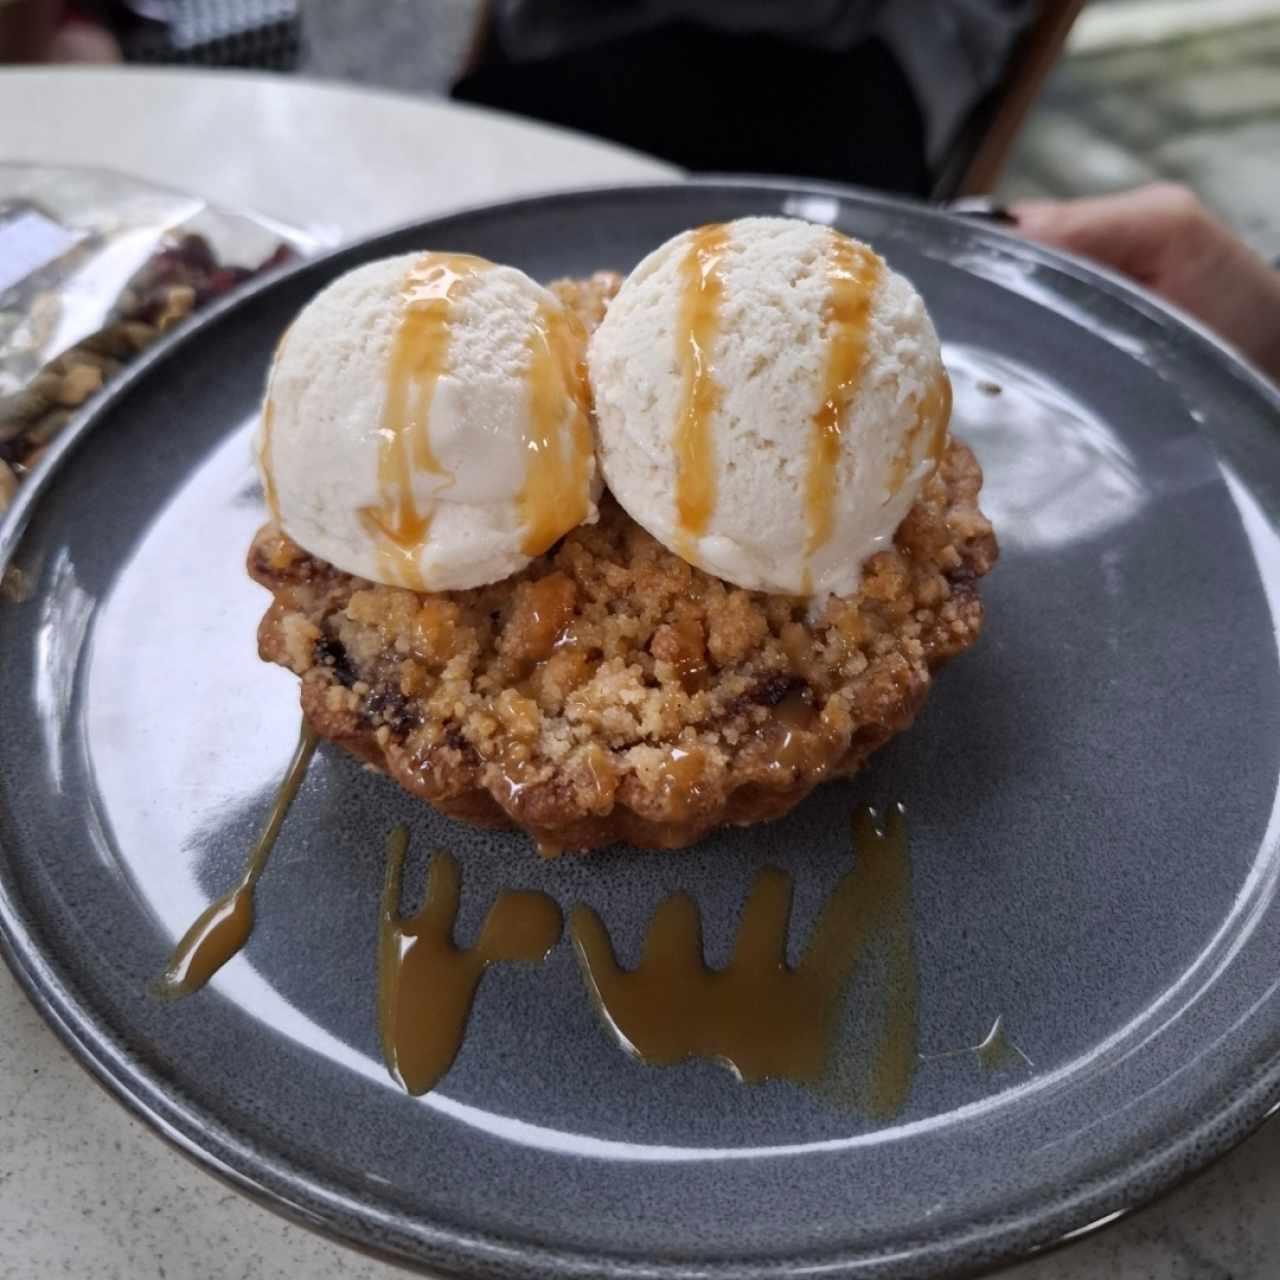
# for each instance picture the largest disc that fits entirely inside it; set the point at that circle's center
(89, 1193)
(85, 1190)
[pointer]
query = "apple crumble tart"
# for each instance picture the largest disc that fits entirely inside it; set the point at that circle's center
(611, 690)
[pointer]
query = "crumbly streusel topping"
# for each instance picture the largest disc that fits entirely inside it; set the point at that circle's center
(610, 675)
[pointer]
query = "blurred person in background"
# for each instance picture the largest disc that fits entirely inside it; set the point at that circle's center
(865, 91)
(250, 33)
(872, 92)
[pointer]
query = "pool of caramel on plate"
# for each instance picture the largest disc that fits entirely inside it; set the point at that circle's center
(767, 1019)
(426, 982)
(763, 1017)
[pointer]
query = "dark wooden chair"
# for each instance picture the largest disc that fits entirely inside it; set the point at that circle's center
(979, 155)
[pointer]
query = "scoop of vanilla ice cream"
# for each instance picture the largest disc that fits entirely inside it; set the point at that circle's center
(426, 423)
(770, 397)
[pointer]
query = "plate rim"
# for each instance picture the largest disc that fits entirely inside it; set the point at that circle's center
(304, 1197)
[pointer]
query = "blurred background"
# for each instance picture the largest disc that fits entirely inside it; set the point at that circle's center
(130, 201)
(1020, 98)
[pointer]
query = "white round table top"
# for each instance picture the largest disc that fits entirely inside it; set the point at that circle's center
(86, 1192)
(333, 160)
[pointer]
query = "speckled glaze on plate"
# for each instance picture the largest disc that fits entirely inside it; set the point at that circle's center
(1091, 797)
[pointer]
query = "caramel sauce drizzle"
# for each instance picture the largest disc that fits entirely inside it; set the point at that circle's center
(604, 779)
(684, 780)
(933, 416)
(265, 454)
(855, 275)
(696, 332)
(555, 496)
(997, 1051)
(691, 663)
(419, 355)
(224, 926)
(936, 411)
(426, 983)
(759, 1016)
(268, 473)
(796, 741)
(796, 711)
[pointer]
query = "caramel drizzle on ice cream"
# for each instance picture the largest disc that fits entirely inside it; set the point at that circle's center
(266, 457)
(556, 495)
(696, 332)
(855, 275)
(419, 355)
(933, 416)
(264, 454)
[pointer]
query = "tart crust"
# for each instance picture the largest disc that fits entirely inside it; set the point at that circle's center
(611, 691)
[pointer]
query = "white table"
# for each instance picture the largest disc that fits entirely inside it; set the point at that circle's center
(332, 160)
(88, 1193)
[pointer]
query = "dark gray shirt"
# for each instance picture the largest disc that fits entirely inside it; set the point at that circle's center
(953, 51)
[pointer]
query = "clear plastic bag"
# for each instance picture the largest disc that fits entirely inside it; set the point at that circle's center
(94, 267)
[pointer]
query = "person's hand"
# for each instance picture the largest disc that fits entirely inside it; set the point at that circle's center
(1164, 238)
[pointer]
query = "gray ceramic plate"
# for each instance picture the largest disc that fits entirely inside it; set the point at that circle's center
(1092, 801)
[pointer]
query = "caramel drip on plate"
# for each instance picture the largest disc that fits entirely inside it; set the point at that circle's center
(555, 497)
(426, 983)
(855, 274)
(696, 332)
(419, 355)
(997, 1051)
(224, 926)
(761, 1017)
(933, 416)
